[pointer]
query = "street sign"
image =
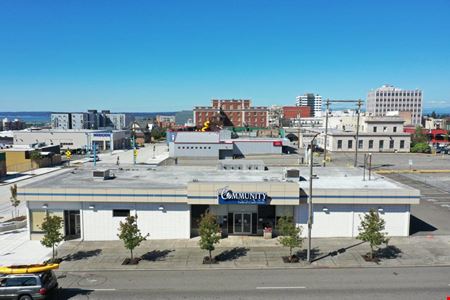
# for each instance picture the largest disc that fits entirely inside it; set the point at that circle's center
(135, 152)
(68, 154)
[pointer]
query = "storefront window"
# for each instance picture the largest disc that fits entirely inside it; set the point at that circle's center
(37, 218)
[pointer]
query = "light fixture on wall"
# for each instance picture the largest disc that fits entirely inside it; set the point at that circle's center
(161, 208)
(325, 209)
(91, 206)
(45, 206)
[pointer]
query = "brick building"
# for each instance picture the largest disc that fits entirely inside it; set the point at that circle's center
(235, 112)
(295, 112)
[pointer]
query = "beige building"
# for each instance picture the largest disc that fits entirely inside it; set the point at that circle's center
(20, 159)
(376, 134)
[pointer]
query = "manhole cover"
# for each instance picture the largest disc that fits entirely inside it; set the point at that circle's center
(91, 280)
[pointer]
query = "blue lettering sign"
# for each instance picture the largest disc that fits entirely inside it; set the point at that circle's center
(227, 196)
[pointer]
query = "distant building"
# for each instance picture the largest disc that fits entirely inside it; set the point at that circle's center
(61, 121)
(389, 98)
(164, 121)
(20, 159)
(7, 125)
(234, 112)
(90, 120)
(75, 140)
(432, 123)
(376, 134)
(296, 112)
(314, 102)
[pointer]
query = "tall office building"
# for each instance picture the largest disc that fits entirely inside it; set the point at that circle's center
(389, 98)
(313, 101)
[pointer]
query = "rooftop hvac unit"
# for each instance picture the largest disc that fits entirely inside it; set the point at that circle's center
(293, 173)
(102, 174)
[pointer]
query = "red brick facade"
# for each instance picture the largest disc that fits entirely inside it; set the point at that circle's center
(237, 113)
(294, 112)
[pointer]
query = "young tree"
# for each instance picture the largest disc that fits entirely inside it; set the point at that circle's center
(35, 157)
(371, 231)
(209, 230)
(290, 234)
(14, 201)
(418, 136)
(130, 234)
(52, 226)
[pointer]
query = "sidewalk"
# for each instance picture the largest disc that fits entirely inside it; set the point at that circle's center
(252, 253)
(14, 177)
(17, 249)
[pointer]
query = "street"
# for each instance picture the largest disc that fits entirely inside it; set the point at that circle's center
(352, 283)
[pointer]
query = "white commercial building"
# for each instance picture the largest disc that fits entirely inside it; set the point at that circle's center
(74, 140)
(169, 201)
(389, 98)
(313, 101)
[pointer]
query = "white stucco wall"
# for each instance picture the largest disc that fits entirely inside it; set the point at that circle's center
(344, 220)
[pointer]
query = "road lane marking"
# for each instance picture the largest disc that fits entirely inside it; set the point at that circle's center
(279, 287)
(102, 290)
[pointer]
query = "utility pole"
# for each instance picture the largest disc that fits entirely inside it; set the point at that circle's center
(95, 153)
(134, 150)
(357, 133)
(326, 133)
(310, 203)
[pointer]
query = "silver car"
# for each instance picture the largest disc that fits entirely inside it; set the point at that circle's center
(28, 286)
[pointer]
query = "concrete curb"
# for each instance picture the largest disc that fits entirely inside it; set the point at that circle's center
(254, 268)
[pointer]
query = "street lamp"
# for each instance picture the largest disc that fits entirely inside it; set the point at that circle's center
(310, 204)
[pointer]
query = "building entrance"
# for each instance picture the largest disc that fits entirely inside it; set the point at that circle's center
(242, 223)
(72, 224)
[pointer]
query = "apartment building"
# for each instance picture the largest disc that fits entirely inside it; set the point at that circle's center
(314, 102)
(389, 98)
(234, 112)
(90, 120)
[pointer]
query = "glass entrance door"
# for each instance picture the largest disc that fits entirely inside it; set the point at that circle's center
(242, 223)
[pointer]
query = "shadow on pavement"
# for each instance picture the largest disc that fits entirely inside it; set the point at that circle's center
(82, 255)
(69, 293)
(156, 255)
(336, 252)
(303, 254)
(418, 225)
(388, 252)
(232, 254)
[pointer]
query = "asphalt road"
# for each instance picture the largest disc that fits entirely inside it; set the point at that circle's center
(361, 283)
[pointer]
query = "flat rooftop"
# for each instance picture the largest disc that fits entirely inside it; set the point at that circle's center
(177, 177)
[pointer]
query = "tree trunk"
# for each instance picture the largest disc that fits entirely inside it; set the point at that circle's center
(131, 251)
(210, 257)
(371, 252)
(53, 252)
(290, 253)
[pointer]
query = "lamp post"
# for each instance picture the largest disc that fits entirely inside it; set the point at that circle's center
(357, 133)
(310, 204)
(326, 133)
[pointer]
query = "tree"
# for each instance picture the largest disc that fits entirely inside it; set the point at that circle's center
(209, 233)
(35, 156)
(418, 136)
(421, 148)
(52, 226)
(290, 234)
(130, 234)
(14, 201)
(434, 115)
(371, 231)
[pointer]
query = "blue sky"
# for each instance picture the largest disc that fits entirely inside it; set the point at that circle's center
(172, 55)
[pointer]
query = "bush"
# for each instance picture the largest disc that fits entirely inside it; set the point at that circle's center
(421, 148)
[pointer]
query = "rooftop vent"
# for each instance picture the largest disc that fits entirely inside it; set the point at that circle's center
(293, 173)
(103, 174)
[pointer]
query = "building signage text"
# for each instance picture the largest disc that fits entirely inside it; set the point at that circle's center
(227, 196)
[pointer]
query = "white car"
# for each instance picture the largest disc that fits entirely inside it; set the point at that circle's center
(91, 157)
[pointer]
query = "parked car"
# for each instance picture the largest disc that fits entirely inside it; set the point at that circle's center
(91, 157)
(28, 286)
